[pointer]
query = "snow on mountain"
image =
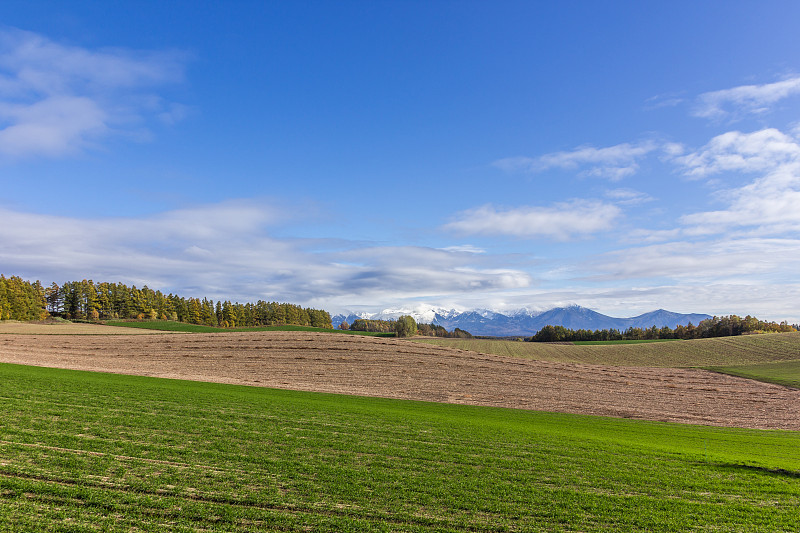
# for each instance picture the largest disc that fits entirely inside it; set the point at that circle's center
(526, 322)
(423, 315)
(525, 311)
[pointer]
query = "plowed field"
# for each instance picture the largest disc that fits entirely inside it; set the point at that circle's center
(720, 351)
(394, 368)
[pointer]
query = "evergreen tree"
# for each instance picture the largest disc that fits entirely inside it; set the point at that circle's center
(22, 300)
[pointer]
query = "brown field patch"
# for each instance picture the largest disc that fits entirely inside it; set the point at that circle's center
(394, 368)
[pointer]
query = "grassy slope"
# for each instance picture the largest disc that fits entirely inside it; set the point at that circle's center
(783, 373)
(165, 325)
(86, 451)
(749, 349)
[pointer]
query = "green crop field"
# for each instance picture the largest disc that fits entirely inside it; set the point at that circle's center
(90, 451)
(783, 373)
(168, 325)
(723, 351)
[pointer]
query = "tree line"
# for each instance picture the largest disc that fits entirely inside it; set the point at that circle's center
(434, 330)
(388, 326)
(87, 300)
(725, 326)
(21, 300)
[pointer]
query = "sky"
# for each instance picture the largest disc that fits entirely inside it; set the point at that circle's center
(362, 156)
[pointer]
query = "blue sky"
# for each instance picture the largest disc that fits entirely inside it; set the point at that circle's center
(358, 156)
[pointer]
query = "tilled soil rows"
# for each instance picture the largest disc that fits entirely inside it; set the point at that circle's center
(394, 368)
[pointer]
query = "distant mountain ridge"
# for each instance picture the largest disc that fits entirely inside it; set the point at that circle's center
(526, 323)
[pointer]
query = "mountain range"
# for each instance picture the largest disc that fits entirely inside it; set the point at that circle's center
(525, 322)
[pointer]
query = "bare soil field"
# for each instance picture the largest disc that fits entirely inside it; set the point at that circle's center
(394, 368)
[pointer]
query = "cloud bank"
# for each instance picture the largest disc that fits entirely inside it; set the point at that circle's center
(226, 251)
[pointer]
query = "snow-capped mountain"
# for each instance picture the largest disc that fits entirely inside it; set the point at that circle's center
(423, 315)
(526, 322)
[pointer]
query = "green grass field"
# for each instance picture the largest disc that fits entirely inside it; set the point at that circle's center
(90, 451)
(168, 325)
(723, 351)
(639, 341)
(782, 373)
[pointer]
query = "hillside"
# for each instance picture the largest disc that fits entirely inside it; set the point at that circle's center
(741, 350)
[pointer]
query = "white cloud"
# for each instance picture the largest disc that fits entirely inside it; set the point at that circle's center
(768, 205)
(628, 196)
(741, 152)
(562, 221)
(464, 248)
(651, 236)
(663, 100)
(407, 272)
(59, 99)
(613, 162)
(226, 251)
(745, 99)
(673, 149)
(54, 126)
